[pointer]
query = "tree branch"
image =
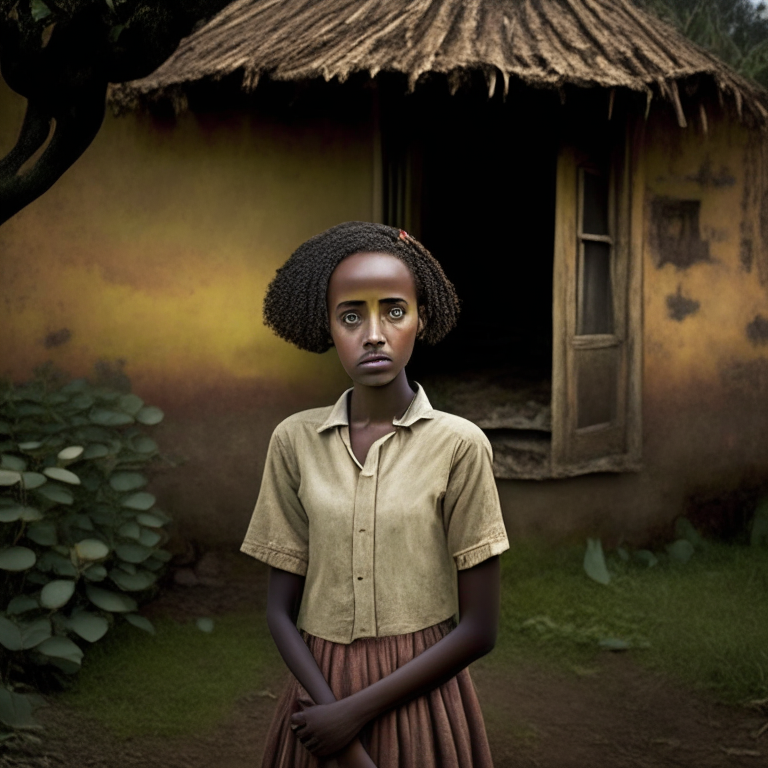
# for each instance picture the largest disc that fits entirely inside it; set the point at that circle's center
(76, 127)
(34, 132)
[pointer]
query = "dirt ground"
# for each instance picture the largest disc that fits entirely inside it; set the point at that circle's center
(616, 715)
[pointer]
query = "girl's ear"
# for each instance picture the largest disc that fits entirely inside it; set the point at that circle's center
(422, 323)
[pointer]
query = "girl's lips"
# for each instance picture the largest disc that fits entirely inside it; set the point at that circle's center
(375, 362)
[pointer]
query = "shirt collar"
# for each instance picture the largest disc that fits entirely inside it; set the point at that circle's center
(420, 408)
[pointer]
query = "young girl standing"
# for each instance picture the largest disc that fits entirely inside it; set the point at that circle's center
(380, 520)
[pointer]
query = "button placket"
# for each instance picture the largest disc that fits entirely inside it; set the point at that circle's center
(363, 543)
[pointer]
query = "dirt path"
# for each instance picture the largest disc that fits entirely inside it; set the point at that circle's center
(619, 715)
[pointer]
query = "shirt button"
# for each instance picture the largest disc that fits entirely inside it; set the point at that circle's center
(359, 578)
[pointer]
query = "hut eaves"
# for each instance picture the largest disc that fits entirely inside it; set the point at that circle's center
(546, 43)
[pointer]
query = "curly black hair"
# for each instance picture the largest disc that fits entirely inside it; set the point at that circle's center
(295, 306)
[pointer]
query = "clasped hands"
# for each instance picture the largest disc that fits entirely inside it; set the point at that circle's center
(325, 729)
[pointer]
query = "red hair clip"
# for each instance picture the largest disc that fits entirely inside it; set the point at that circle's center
(405, 236)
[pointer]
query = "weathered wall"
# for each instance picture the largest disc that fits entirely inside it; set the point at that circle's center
(156, 249)
(705, 344)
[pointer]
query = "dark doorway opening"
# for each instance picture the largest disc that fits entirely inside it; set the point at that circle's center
(483, 186)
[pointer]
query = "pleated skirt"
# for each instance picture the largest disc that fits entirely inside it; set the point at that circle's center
(441, 729)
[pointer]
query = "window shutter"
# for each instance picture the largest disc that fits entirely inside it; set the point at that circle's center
(597, 306)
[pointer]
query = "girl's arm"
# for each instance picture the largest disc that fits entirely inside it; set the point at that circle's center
(283, 601)
(326, 728)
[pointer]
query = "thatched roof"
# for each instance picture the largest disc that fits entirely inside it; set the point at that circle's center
(550, 43)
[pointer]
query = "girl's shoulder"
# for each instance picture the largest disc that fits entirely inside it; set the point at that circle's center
(309, 421)
(458, 427)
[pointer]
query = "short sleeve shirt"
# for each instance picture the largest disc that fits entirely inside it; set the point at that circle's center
(378, 543)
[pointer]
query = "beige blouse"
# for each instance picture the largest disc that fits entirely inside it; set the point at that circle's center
(380, 543)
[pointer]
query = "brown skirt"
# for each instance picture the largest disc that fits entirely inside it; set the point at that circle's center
(444, 728)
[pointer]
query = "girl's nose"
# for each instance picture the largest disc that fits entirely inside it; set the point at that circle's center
(374, 336)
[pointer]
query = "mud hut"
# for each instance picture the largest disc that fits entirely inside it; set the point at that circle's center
(593, 183)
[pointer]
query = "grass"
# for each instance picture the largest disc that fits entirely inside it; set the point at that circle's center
(704, 622)
(179, 681)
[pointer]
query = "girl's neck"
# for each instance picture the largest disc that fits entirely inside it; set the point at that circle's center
(380, 405)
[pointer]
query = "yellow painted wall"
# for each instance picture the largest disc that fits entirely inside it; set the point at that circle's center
(156, 248)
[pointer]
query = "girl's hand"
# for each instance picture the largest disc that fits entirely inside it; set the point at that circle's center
(325, 729)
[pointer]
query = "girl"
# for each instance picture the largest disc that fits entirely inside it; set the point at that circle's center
(379, 517)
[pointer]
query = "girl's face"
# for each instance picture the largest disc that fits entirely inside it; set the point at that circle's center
(373, 315)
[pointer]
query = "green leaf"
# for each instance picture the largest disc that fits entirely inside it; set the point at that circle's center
(89, 626)
(141, 501)
(57, 493)
(594, 562)
(132, 583)
(21, 604)
(91, 549)
(61, 648)
(17, 512)
(16, 710)
(95, 573)
(680, 550)
(110, 601)
(32, 445)
(33, 480)
(646, 557)
(127, 481)
(14, 463)
(57, 593)
(150, 415)
(17, 637)
(56, 562)
(107, 418)
(132, 553)
(204, 625)
(153, 564)
(39, 10)
(71, 453)
(131, 404)
(144, 444)
(130, 531)
(96, 451)
(614, 644)
(684, 530)
(5, 428)
(9, 478)
(81, 402)
(149, 538)
(758, 534)
(163, 555)
(17, 559)
(10, 635)
(11, 514)
(622, 553)
(43, 533)
(140, 622)
(151, 521)
(64, 475)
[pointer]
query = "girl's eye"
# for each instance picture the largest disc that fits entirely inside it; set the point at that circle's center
(350, 318)
(396, 313)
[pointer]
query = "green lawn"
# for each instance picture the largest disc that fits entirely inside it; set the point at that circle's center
(181, 680)
(705, 622)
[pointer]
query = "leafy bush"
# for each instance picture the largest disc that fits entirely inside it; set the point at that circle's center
(80, 540)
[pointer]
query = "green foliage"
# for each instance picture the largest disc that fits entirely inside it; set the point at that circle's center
(80, 541)
(736, 31)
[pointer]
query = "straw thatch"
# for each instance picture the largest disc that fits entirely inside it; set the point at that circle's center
(551, 43)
